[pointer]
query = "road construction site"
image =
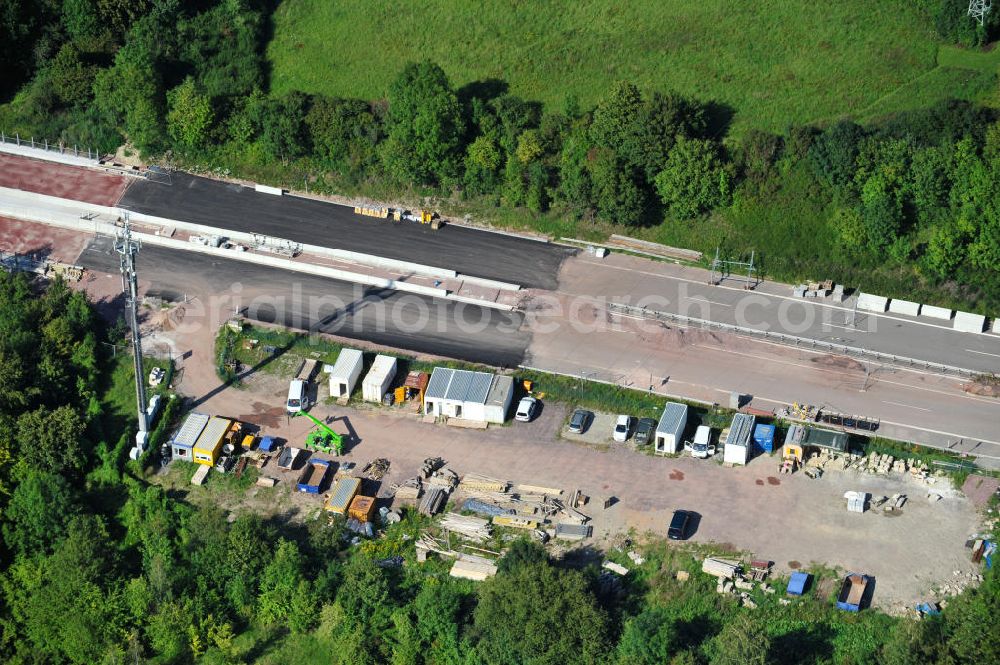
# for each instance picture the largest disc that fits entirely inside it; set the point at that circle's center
(794, 521)
(563, 323)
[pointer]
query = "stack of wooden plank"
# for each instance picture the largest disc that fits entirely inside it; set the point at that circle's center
(479, 482)
(522, 490)
(443, 477)
(471, 528)
(433, 501)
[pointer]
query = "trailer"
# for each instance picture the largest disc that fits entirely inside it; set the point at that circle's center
(312, 476)
(853, 592)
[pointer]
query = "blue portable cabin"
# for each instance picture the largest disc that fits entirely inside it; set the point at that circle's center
(763, 438)
(797, 584)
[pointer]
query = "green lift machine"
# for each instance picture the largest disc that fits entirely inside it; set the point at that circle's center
(324, 439)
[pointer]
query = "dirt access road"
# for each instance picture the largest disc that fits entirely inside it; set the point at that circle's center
(793, 521)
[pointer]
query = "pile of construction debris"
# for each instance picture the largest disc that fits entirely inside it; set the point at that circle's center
(733, 580)
(875, 463)
(376, 469)
(477, 564)
(525, 506)
(429, 491)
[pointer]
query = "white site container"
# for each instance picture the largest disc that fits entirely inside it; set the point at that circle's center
(379, 378)
(344, 373)
(670, 428)
(737, 448)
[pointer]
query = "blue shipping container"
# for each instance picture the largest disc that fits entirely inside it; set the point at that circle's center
(763, 438)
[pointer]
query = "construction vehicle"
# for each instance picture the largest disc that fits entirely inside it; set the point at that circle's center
(323, 440)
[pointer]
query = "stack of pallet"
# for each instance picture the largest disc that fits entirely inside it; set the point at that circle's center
(433, 501)
(471, 528)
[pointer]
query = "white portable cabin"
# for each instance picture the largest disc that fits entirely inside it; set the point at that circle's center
(345, 373)
(670, 429)
(378, 379)
(458, 393)
(182, 444)
(737, 448)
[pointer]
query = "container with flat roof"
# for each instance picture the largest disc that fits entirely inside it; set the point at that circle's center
(376, 382)
(737, 448)
(206, 450)
(343, 492)
(184, 439)
(670, 428)
(312, 476)
(345, 373)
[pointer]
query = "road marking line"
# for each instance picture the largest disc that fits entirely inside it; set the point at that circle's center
(908, 406)
(852, 329)
(701, 299)
(984, 353)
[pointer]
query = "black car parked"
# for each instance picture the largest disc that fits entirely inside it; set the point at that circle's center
(679, 524)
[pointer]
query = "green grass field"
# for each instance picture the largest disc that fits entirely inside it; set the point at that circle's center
(774, 63)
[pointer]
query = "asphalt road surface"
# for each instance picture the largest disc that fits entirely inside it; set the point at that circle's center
(230, 206)
(666, 287)
(388, 318)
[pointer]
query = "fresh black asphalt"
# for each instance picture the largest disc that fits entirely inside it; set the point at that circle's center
(305, 302)
(230, 206)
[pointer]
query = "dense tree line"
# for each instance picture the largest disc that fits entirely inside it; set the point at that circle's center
(187, 81)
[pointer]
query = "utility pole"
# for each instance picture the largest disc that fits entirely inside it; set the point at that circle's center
(127, 248)
(978, 9)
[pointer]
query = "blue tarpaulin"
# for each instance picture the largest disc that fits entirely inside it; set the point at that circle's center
(763, 438)
(267, 444)
(797, 584)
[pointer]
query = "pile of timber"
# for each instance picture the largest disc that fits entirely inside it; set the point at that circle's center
(408, 490)
(475, 482)
(377, 468)
(444, 478)
(433, 501)
(471, 528)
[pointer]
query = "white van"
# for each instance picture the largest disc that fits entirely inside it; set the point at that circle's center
(298, 397)
(702, 446)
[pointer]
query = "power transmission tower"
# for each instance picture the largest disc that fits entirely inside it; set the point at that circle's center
(127, 248)
(978, 9)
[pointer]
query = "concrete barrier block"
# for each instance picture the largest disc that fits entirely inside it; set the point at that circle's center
(996, 326)
(872, 303)
(969, 322)
(267, 189)
(933, 312)
(904, 307)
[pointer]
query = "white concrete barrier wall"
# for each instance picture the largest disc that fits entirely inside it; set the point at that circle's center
(267, 189)
(47, 155)
(79, 207)
(872, 303)
(933, 312)
(969, 322)
(904, 307)
(996, 326)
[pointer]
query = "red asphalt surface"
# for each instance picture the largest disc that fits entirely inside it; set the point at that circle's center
(41, 242)
(63, 181)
